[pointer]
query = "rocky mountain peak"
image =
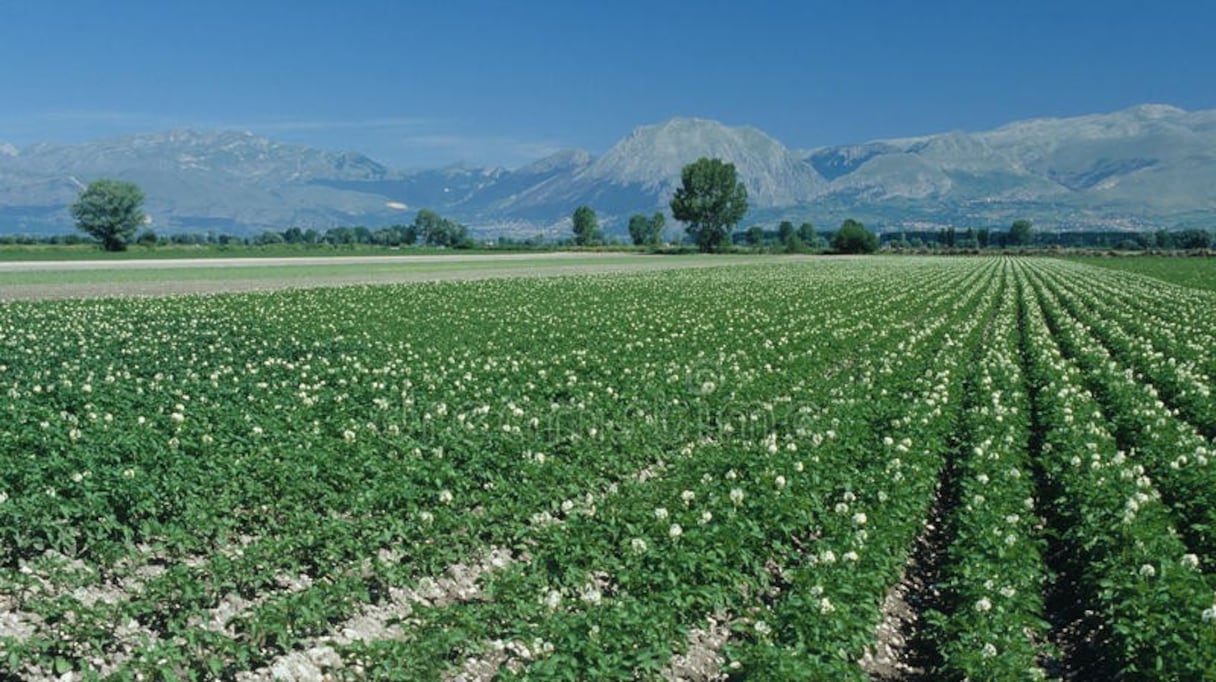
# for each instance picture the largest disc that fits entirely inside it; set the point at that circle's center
(1151, 111)
(564, 159)
(653, 156)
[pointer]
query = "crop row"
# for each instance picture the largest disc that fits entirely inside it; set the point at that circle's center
(993, 626)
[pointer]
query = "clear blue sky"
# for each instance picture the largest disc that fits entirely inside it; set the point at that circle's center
(438, 81)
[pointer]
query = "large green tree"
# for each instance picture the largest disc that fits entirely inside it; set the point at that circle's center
(711, 201)
(639, 229)
(110, 211)
(1193, 239)
(789, 236)
(806, 232)
(853, 237)
(435, 230)
(658, 221)
(1021, 233)
(586, 226)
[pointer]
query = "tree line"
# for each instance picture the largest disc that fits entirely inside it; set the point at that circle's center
(1022, 235)
(111, 212)
(710, 202)
(429, 229)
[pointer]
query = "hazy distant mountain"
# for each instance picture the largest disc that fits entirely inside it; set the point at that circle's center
(478, 194)
(1147, 166)
(194, 180)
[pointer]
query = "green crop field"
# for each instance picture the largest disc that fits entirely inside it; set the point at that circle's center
(840, 469)
(1199, 273)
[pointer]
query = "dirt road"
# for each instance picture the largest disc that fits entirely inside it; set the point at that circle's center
(171, 263)
(88, 279)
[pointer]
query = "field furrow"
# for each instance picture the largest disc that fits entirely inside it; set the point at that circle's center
(992, 624)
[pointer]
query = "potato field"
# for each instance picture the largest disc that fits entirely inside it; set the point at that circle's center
(837, 469)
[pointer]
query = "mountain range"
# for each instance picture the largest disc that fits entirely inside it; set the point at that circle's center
(1146, 167)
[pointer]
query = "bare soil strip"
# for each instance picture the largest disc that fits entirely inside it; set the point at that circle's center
(132, 574)
(483, 668)
(15, 624)
(381, 621)
(170, 263)
(702, 661)
(291, 273)
(903, 647)
(233, 605)
(44, 583)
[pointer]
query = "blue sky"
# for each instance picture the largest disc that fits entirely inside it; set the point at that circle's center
(418, 84)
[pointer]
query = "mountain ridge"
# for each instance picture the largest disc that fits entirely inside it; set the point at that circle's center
(1146, 166)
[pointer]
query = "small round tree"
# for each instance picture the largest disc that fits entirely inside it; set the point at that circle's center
(712, 200)
(110, 211)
